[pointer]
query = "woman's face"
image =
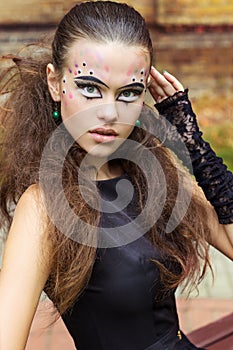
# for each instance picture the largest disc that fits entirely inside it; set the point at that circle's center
(101, 92)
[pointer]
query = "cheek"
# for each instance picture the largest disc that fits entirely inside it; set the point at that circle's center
(128, 130)
(129, 113)
(78, 119)
(69, 105)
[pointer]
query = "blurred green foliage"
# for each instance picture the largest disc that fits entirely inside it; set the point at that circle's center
(220, 136)
(215, 117)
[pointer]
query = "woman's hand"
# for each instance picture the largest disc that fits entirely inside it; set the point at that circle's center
(163, 85)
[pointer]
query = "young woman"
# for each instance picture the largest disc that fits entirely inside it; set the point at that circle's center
(106, 220)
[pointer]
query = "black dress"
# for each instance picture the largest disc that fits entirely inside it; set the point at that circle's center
(121, 308)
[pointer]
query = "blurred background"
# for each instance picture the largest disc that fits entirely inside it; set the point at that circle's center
(194, 41)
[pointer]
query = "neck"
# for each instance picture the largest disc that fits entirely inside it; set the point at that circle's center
(102, 169)
(108, 172)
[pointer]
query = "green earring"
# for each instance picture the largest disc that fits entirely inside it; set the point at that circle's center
(56, 114)
(138, 123)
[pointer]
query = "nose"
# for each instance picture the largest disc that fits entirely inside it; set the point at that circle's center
(108, 112)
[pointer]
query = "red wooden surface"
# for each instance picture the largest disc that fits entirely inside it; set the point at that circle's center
(217, 335)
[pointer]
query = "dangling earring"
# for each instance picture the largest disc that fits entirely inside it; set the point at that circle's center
(138, 123)
(56, 113)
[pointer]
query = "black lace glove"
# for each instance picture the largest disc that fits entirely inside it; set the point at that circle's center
(210, 172)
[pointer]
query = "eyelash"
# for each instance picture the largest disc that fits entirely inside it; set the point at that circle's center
(84, 85)
(136, 92)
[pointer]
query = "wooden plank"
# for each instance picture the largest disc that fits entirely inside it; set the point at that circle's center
(33, 11)
(216, 335)
(184, 12)
(147, 8)
(189, 12)
(51, 11)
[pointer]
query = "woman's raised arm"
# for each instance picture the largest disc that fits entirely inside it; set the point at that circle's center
(211, 174)
(25, 270)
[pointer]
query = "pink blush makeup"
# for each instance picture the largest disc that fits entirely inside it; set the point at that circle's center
(130, 72)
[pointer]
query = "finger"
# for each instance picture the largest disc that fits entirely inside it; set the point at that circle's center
(155, 89)
(158, 77)
(175, 82)
(157, 93)
(163, 82)
(166, 78)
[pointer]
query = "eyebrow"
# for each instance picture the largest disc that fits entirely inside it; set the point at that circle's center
(93, 79)
(98, 81)
(140, 85)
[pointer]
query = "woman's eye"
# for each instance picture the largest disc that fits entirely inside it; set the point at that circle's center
(129, 95)
(89, 91)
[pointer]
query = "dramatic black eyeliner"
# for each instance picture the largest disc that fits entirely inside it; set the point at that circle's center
(139, 85)
(82, 85)
(91, 79)
(135, 91)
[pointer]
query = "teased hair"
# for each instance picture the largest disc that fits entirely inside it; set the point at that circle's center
(27, 124)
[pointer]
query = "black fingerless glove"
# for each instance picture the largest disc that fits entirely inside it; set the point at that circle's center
(210, 172)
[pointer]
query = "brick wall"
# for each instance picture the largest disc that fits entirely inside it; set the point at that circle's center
(50, 11)
(194, 11)
(183, 12)
(203, 62)
(16, 12)
(202, 59)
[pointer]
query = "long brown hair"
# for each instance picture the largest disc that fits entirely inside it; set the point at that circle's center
(27, 125)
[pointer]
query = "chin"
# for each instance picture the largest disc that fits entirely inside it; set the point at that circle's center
(94, 153)
(104, 149)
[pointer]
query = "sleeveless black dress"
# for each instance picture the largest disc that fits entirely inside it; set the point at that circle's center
(121, 308)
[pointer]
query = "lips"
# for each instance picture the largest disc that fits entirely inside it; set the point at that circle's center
(103, 131)
(101, 135)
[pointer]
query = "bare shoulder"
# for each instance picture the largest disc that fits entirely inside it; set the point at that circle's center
(30, 211)
(32, 197)
(25, 269)
(28, 228)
